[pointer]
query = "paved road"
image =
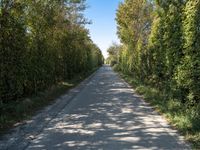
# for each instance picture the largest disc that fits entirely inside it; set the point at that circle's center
(107, 115)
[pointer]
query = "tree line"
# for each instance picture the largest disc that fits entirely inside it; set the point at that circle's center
(42, 42)
(160, 46)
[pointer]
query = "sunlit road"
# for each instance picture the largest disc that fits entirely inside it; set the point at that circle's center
(106, 114)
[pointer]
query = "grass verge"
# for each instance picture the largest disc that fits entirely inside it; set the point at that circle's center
(185, 120)
(15, 112)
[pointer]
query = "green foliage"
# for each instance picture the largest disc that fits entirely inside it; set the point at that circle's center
(188, 73)
(42, 43)
(157, 52)
(161, 51)
(113, 52)
(12, 50)
(134, 22)
(161, 45)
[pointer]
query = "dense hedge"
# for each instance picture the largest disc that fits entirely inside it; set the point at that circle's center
(42, 43)
(161, 46)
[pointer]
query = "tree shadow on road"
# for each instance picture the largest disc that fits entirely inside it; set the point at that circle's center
(112, 118)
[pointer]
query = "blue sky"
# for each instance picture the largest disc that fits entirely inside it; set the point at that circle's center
(103, 28)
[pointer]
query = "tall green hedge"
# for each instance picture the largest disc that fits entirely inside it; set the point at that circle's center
(161, 45)
(42, 43)
(188, 73)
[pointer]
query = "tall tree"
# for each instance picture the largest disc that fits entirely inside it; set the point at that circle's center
(134, 20)
(12, 49)
(188, 73)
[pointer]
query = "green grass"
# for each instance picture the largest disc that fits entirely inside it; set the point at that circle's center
(186, 120)
(16, 112)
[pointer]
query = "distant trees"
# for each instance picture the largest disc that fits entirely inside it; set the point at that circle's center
(42, 43)
(113, 52)
(161, 45)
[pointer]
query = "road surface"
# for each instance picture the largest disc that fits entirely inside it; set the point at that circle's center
(107, 115)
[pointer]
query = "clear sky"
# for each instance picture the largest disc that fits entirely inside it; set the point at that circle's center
(103, 28)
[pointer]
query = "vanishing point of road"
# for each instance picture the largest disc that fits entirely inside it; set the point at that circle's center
(106, 114)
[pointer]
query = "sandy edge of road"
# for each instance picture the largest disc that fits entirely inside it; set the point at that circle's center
(19, 137)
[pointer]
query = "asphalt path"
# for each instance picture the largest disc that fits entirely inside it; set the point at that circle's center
(107, 115)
